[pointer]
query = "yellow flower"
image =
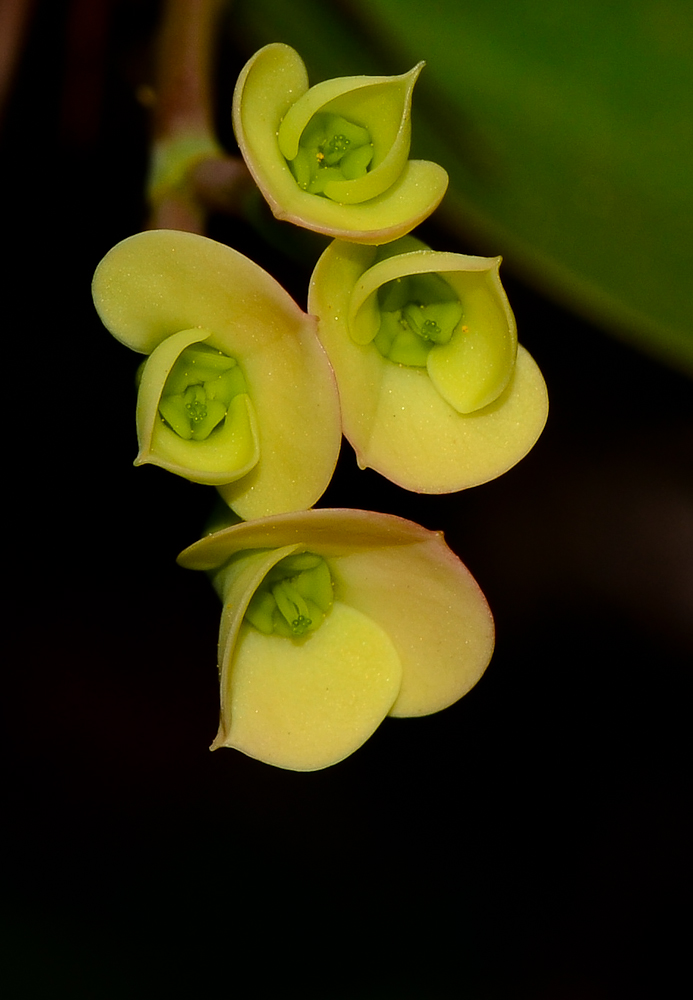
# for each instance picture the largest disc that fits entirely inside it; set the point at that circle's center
(332, 620)
(435, 393)
(237, 391)
(334, 157)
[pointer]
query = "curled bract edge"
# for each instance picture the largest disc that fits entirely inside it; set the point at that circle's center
(435, 392)
(333, 158)
(405, 630)
(237, 391)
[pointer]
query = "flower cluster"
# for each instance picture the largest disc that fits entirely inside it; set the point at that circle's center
(332, 619)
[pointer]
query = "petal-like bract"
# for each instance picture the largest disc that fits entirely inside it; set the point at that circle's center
(435, 393)
(408, 634)
(266, 403)
(333, 158)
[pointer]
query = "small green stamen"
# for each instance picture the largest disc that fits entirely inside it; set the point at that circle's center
(292, 606)
(198, 391)
(335, 148)
(331, 148)
(416, 313)
(294, 598)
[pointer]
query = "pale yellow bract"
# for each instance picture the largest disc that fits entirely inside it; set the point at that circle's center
(390, 200)
(409, 634)
(158, 292)
(472, 414)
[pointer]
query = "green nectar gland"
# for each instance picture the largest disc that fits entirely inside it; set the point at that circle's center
(331, 148)
(198, 391)
(417, 312)
(294, 598)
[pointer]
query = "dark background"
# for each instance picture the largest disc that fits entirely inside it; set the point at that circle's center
(529, 841)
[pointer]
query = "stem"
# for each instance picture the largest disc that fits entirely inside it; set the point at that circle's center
(189, 171)
(184, 98)
(14, 24)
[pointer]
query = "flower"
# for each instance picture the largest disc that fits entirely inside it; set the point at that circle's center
(333, 158)
(435, 393)
(332, 620)
(237, 391)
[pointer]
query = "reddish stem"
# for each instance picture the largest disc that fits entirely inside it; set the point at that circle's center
(183, 115)
(184, 71)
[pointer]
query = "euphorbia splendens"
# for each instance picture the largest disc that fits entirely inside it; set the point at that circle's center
(334, 157)
(332, 620)
(237, 391)
(435, 393)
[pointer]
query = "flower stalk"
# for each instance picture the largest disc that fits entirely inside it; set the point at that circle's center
(189, 171)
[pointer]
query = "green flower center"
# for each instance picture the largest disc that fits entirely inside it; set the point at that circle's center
(417, 312)
(331, 148)
(294, 598)
(198, 391)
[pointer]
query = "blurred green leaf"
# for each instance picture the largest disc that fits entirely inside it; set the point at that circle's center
(567, 130)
